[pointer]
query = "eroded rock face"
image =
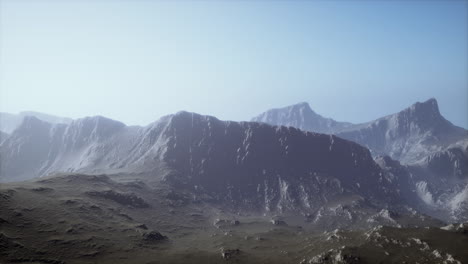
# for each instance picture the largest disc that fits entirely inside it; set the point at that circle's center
(276, 168)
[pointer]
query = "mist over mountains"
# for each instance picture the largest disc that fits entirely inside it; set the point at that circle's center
(409, 135)
(289, 165)
(9, 122)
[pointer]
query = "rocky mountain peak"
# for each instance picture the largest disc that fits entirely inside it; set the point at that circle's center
(429, 106)
(302, 105)
(425, 114)
(300, 116)
(408, 135)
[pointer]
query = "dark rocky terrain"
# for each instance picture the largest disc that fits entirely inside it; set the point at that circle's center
(75, 218)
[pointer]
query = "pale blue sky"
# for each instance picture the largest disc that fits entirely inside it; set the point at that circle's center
(135, 61)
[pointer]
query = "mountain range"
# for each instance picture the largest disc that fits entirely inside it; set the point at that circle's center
(429, 152)
(9, 122)
(408, 136)
(188, 172)
(274, 168)
(275, 165)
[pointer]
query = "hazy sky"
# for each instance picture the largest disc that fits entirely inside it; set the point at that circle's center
(135, 61)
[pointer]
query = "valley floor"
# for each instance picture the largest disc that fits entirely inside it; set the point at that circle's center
(98, 219)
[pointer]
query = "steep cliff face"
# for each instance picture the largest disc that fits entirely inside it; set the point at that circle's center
(301, 116)
(409, 135)
(277, 167)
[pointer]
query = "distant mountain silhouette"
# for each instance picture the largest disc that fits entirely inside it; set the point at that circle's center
(301, 116)
(409, 135)
(9, 122)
